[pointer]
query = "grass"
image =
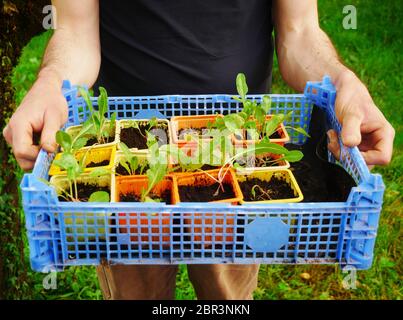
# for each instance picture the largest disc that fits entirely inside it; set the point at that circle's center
(373, 51)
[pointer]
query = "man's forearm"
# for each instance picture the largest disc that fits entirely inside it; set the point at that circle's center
(69, 56)
(308, 55)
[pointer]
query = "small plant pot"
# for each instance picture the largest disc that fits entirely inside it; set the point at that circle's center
(74, 130)
(120, 171)
(95, 158)
(202, 227)
(281, 137)
(85, 226)
(135, 140)
(190, 124)
(145, 227)
(283, 189)
(248, 168)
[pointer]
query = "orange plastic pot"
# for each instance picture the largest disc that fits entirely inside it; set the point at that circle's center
(154, 227)
(189, 122)
(202, 226)
(284, 137)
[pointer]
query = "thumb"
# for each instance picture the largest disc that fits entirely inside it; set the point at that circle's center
(351, 129)
(51, 124)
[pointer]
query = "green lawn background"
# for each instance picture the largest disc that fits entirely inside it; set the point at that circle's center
(374, 52)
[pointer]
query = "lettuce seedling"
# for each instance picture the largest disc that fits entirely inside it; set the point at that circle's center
(130, 162)
(72, 166)
(100, 128)
(252, 118)
(158, 167)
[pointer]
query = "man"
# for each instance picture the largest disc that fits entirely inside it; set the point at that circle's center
(146, 47)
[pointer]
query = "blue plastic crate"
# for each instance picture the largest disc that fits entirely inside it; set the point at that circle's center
(63, 234)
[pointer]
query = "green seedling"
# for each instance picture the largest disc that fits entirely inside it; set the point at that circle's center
(74, 168)
(151, 124)
(100, 128)
(130, 161)
(263, 147)
(158, 167)
(252, 119)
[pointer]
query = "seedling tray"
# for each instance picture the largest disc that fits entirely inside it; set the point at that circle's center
(276, 233)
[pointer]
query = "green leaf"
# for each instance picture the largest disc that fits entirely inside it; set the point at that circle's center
(112, 122)
(272, 125)
(293, 156)
(260, 116)
(64, 140)
(300, 130)
(241, 85)
(264, 146)
(102, 103)
(86, 96)
(148, 199)
(134, 164)
(99, 196)
(266, 104)
(250, 124)
(125, 149)
(155, 174)
(67, 160)
(248, 108)
(88, 128)
(98, 172)
(79, 143)
(125, 165)
(153, 122)
(233, 122)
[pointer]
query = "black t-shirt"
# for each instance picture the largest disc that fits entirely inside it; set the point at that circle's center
(153, 47)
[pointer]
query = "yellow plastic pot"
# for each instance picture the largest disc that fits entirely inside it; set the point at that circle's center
(93, 224)
(95, 155)
(284, 174)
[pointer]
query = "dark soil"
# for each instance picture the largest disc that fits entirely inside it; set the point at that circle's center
(131, 197)
(319, 180)
(275, 135)
(93, 141)
(197, 132)
(120, 170)
(137, 138)
(205, 193)
(274, 189)
(86, 189)
(98, 164)
(205, 167)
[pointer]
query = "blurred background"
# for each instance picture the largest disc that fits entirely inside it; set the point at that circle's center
(373, 51)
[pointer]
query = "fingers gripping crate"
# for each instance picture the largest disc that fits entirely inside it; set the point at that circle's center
(278, 233)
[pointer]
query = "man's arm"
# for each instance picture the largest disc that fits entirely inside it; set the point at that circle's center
(305, 53)
(73, 53)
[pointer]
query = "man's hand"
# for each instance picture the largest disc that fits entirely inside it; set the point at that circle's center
(363, 124)
(43, 110)
(305, 53)
(73, 53)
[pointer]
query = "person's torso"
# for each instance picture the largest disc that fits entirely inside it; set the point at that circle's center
(152, 47)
